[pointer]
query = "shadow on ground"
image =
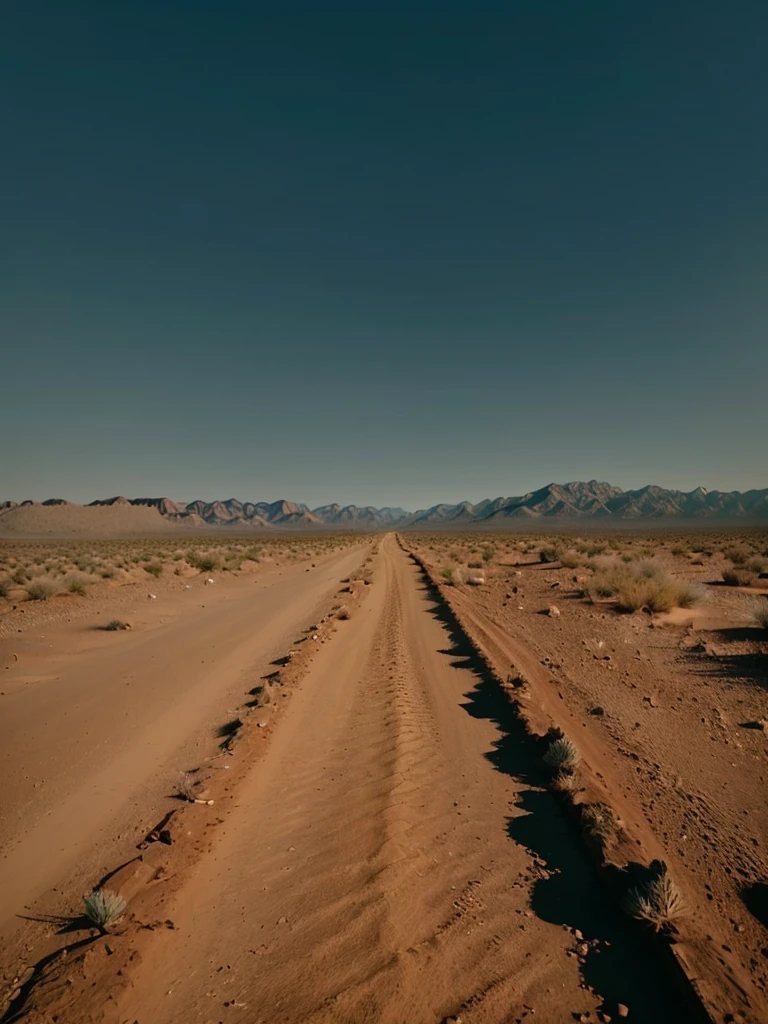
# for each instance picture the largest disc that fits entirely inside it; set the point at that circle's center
(623, 968)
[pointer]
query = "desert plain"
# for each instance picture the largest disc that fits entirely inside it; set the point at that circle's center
(389, 776)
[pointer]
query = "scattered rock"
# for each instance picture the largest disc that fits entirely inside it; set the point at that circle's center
(597, 710)
(553, 611)
(622, 1010)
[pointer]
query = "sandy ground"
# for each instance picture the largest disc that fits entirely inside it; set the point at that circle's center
(380, 863)
(97, 726)
(387, 852)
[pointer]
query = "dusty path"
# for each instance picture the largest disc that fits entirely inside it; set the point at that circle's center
(90, 749)
(386, 861)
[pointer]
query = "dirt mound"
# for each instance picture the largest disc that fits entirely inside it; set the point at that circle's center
(78, 521)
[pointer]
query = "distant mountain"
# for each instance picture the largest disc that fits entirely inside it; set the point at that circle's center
(573, 501)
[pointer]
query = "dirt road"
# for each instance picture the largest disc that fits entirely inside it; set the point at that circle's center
(92, 738)
(386, 860)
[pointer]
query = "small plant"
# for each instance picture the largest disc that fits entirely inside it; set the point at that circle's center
(570, 559)
(562, 755)
(447, 574)
(738, 577)
(115, 624)
(5, 588)
(550, 554)
(41, 589)
(600, 823)
(104, 907)
(488, 554)
(564, 782)
(658, 902)
(154, 569)
(75, 585)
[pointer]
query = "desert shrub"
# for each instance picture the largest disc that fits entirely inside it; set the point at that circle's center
(488, 553)
(562, 755)
(474, 565)
(680, 552)
(114, 624)
(447, 574)
(564, 782)
(599, 822)
(658, 902)
(738, 577)
(738, 554)
(104, 907)
(757, 564)
(154, 569)
(5, 587)
(20, 576)
(644, 585)
(760, 615)
(570, 559)
(550, 554)
(205, 563)
(74, 585)
(41, 589)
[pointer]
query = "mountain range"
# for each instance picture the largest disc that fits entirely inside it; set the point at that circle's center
(571, 501)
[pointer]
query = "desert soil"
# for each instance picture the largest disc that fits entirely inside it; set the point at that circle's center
(96, 726)
(391, 853)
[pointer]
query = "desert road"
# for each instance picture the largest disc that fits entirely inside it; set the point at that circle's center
(94, 734)
(386, 860)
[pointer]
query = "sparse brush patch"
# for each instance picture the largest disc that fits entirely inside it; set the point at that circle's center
(644, 585)
(5, 587)
(41, 589)
(658, 902)
(757, 564)
(154, 569)
(760, 615)
(104, 907)
(562, 755)
(570, 559)
(474, 565)
(115, 624)
(447, 574)
(20, 576)
(550, 554)
(488, 554)
(75, 585)
(738, 577)
(600, 823)
(205, 563)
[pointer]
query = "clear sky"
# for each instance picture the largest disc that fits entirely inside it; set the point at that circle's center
(389, 253)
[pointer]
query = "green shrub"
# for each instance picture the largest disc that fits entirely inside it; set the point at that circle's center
(154, 569)
(104, 907)
(562, 755)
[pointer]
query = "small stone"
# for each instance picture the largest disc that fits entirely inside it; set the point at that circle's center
(622, 1010)
(282, 920)
(553, 611)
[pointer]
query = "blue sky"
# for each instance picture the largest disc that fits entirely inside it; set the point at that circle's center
(389, 254)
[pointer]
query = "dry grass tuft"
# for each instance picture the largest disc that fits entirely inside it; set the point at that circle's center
(104, 907)
(659, 902)
(562, 755)
(42, 588)
(641, 585)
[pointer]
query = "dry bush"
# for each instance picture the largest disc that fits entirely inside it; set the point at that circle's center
(116, 624)
(571, 559)
(600, 823)
(658, 902)
(74, 585)
(42, 588)
(642, 585)
(738, 577)
(5, 587)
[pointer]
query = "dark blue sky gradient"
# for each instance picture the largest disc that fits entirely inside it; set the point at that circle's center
(394, 253)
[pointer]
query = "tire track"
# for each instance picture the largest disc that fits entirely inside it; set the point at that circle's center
(367, 872)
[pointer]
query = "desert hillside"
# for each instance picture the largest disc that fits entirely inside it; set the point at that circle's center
(81, 521)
